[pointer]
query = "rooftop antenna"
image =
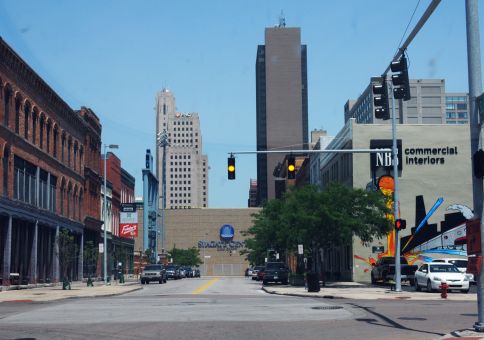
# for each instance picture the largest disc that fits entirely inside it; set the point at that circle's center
(282, 20)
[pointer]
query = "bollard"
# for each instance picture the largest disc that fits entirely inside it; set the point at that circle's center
(444, 286)
(90, 283)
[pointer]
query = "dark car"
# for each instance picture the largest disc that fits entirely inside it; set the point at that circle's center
(255, 272)
(153, 272)
(275, 272)
(173, 272)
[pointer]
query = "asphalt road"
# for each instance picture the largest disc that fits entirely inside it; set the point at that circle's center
(230, 308)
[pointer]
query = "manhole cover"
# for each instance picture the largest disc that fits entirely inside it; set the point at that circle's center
(327, 307)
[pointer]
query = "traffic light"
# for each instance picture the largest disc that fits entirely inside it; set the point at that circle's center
(231, 167)
(478, 160)
(380, 99)
(291, 167)
(400, 80)
(400, 224)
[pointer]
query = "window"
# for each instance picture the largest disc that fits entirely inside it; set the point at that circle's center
(26, 121)
(6, 105)
(17, 115)
(41, 133)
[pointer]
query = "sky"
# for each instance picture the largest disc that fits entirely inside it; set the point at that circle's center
(113, 56)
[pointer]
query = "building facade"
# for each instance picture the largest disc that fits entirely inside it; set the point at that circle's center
(186, 166)
(50, 177)
(120, 249)
(435, 162)
(281, 102)
(430, 104)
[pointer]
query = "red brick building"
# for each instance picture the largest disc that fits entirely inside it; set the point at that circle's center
(121, 183)
(49, 175)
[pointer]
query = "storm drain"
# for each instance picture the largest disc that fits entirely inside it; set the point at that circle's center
(327, 307)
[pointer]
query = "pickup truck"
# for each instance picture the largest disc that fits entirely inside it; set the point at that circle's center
(384, 270)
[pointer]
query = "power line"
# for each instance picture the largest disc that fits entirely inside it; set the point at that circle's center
(406, 28)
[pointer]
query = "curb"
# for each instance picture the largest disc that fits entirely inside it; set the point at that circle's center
(303, 295)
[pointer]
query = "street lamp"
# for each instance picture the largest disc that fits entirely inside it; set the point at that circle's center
(106, 146)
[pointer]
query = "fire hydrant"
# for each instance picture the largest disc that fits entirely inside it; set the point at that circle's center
(444, 286)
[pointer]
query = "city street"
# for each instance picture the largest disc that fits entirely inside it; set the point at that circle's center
(230, 308)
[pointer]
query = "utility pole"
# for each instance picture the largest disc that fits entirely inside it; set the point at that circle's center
(163, 142)
(476, 134)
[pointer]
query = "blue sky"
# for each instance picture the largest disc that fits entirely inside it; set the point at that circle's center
(113, 56)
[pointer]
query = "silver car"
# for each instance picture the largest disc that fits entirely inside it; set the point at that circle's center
(153, 272)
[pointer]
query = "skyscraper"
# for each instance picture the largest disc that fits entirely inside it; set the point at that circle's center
(281, 100)
(186, 166)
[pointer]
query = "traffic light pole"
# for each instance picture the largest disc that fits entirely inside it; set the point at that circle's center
(476, 134)
(398, 274)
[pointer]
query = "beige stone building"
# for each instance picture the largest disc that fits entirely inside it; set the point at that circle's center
(186, 165)
(200, 228)
(435, 162)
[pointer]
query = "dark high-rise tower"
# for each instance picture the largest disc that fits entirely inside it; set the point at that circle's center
(282, 101)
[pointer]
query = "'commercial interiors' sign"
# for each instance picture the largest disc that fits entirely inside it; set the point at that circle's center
(429, 156)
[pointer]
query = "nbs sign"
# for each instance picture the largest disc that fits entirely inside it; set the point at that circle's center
(384, 160)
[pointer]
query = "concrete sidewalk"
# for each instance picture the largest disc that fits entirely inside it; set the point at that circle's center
(78, 290)
(358, 291)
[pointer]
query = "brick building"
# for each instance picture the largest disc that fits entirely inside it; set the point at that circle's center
(49, 175)
(121, 185)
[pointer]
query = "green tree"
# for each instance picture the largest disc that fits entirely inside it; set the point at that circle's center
(316, 219)
(91, 254)
(68, 253)
(186, 257)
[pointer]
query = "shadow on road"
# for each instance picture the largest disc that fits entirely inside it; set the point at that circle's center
(391, 323)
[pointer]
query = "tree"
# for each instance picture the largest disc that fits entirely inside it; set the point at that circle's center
(317, 219)
(68, 252)
(186, 257)
(90, 253)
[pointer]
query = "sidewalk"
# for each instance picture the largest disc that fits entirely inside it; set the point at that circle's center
(358, 291)
(78, 290)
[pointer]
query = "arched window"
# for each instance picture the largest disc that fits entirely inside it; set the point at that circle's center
(63, 147)
(6, 155)
(26, 120)
(47, 135)
(62, 195)
(56, 135)
(35, 116)
(69, 146)
(81, 194)
(17, 114)
(75, 156)
(6, 105)
(41, 132)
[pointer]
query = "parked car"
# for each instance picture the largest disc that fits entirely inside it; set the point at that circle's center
(173, 272)
(196, 273)
(255, 270)
(260, 274)
(431, 275)
(384, 270)
(153, 272)
(275, 272)
(460, 263)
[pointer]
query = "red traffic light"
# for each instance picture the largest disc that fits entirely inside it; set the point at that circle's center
(400, 224)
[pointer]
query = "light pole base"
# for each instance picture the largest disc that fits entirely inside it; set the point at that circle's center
(479, 327)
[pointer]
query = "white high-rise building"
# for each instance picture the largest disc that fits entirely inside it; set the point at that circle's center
(186, 166)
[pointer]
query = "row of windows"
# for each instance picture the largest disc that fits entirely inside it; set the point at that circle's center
(40, 130)
(457, 122)
(454, 106)
(180, 163)
(461, 115)
(180, 188)
(180, 182)
(180, 157)
(180, 176)
(182, 122)
(453, 99)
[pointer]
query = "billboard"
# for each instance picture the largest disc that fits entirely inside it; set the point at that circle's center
(128, 222)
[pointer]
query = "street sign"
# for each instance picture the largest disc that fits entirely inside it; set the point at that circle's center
(300, 249)
(128, 222)
(101, 248)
